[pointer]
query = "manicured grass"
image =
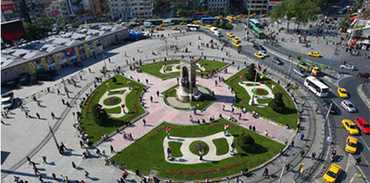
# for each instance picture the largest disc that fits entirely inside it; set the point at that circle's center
(288, 117)
(221, 145)
(261, 91)
(115, 110)
(147, 153)
(94, 130)
(175, 148)
(249, 84)
(194, 147)
(154, 68)
(116, 92)
(202, 103)
(263, 100)
(112, 101)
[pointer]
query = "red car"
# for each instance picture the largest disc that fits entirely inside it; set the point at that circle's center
(363, 125)
(363, 75)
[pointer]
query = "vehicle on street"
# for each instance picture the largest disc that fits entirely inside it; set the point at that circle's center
(314, 54)
(193, 27)
(236, 44)
(316, 86)
(332, 174)
(264, 53)
(163, 25)
(217, 33)
(236, 39)
(350, 126)
(326, 104)
(258, 47)
(148, 24)
(208, 27)
(314, 70)
(363, 125)
(259, 55)
(229, 34)
(342, 92)
(175, 28)
(277, 60)
(351, 144)
(299, 73)
(7, 100)
(347, 67)
(159, 29)
(363, 75)
(348, 106)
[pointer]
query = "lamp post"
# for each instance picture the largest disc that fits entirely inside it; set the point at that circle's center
(249, 14)
(65, 87)
(105, 64)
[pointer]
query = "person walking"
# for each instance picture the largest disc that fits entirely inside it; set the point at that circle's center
(151, 99)
(74, 165)
(111, 149)
(313, 155)
(301, 136)
(82, 144)
(302, 153)
(223, 107)
(29, 160)
(157, 93)
(52, 115)
(144, 122)
(44, 159)
(38, 116)
(265, 172)
(87, 174)
(64, 102)
(54, 176)
(358, 161)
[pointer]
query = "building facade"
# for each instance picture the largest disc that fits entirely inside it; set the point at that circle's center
(218, 4)
(127, 9)
(257, 6)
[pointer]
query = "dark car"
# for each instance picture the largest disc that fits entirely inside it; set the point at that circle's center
(333, 109)
(363, 75)
(258, 47)
(277, 60)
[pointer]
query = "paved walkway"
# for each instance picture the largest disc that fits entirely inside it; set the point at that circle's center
(121, 96)
(249, 90)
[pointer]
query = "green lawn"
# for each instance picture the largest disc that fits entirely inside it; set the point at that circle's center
(203, 102)
(116, 92)
(289, 115)
(194, 149)
(221, 145)
(175, 148)
(154, 68)
(94, 130)
(263, 100)
(147, 153)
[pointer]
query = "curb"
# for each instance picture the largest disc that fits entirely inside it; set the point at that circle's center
(362, 95)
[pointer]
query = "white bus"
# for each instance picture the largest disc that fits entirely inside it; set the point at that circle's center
(316, 86)
(193, 27)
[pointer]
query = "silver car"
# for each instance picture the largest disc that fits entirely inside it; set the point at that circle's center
(347, 67)
(299, 73)
(348, 106)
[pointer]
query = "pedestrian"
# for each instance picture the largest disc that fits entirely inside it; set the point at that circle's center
(313, 155)
(157, 93)
(317, 110)
(109, 60)
(54, 176)
(232, 108)
(216, 83)
(87, 174)
(303, 103)
(63, 102)
(44, 159)
(74, 165)
(146, 81)
(254, 129)
(29, 160)
(358, 161)
(250, 127)
(191, 118)
(266, 133)
(223, 107)
(2, 121)
(265, 172)
(89, 70)
(302, 153)
(144, 122)
(292, 143)
(328, 139)
(302, 136)
(52, 115)
(111, 149)
(240, 116)
(67, 103)
(38, 115)
(151, 99)
(36, 171)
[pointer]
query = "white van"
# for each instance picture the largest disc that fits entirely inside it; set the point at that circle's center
(148, 24)
(213, 29)
(217, 33)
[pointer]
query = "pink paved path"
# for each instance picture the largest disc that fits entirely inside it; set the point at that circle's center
(159, 112)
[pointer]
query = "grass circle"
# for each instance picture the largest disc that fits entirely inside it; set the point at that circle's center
(196, 146)
(112, 101)
(261, 91)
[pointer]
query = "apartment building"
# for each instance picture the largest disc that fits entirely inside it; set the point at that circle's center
(130, 8)
(218, 4)
(257, 6)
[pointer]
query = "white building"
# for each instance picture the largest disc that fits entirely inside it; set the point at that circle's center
(218, 4)
(257, 6)
(131, 8)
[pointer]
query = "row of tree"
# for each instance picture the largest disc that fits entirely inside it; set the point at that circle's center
(44, 25)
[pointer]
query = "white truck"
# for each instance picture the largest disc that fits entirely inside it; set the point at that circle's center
(215, 31)
(148, 24)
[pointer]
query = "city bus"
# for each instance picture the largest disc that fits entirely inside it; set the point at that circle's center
(316, 86)
(255, 23)
(194, 27)
(199, 15)
(258, 33)
(154, 21)
(209, 20)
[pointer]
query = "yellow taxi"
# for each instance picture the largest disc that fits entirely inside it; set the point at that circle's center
(230, 34)
(313, 54)
(159, 29)
(175, 28)
(351, 144)
(208, 27)
(197, 22)
(236, 44)
(350, 126)
(163, 25)
(332, 174)
(183, 23)
(219, 16)
(342, 92)
(259, 55)
(236, 39)
(110, 23)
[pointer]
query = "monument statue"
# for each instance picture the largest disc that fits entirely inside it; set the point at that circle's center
(187, 87)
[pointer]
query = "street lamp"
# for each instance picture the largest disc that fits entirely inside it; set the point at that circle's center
(105, 64)
(65, 87)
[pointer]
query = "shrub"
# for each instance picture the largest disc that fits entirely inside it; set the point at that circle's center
(216, 22)
(250, 75)
(222, 24)
(228, 26)
(114, 79)
(246, 142)
(277, 104)
(100, 115)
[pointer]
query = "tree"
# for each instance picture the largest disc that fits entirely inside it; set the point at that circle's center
(100, 115)
(246, 142)
(222, 24)
(216, 23)
(60, 22)
(47, 22)
(32, 31)
(75, 25)
(228, 26)
(277, 104)
(251, 74)
(305, 11)
(358, 34)
(179, 12)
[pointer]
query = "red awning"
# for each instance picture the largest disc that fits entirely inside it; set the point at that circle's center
(353, 18)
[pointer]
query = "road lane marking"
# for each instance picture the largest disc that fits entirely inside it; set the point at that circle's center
(363, 157)
(365, 178)
(365, 144)
(354, 175)
(349, 157)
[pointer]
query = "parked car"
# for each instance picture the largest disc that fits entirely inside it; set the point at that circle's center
(350, 127)
(258, 47)
(363, 75)
(347, 67)
(277, 60)
(333, 109)
(348, 106)
(363, 125)
(7, 100)
(299, 73)
(332, 174)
